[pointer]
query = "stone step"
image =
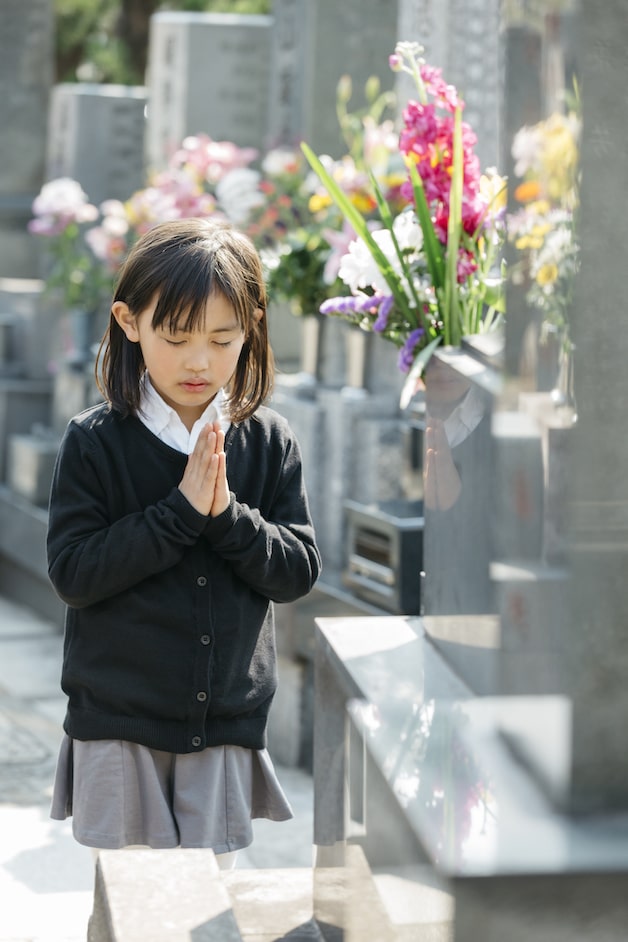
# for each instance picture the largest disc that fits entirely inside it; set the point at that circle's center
(396, 903)
(178, 895)
(161, 896)
(273, 904)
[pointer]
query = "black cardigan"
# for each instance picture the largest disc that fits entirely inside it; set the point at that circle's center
(169, 636)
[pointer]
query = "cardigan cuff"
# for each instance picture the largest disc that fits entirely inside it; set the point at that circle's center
(217, 527)
(189, 515)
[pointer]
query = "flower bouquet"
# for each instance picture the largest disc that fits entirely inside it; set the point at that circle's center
(203, 178)
(298, 228)
(430, 273)
(543, 229)
(61, 212)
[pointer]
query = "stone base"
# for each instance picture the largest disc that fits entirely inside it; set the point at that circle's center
(23, 564)
(31, 464)
(177, 895)
(165, 896)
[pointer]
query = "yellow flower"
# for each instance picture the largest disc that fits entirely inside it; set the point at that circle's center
(493, 189)
(363, 202)
(540, 207)
(529, 242)
(319, 201)
(547, 274)
(541, 229)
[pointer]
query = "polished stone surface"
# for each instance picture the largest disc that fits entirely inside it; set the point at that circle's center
(463, 761)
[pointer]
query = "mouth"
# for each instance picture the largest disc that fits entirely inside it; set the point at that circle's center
(195, 385)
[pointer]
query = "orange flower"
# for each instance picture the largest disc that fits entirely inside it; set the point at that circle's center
(527, 191)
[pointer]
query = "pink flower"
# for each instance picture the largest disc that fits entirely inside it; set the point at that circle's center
(209, 160)
(445, 95)
(60, 203)
(420, 128)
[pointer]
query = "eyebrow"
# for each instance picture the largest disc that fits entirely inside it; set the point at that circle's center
(225, 329)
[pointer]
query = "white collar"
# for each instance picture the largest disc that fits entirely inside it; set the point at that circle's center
(164, 422)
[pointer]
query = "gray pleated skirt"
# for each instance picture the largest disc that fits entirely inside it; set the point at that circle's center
(121, 793)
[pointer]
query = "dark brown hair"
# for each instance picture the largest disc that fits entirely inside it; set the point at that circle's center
(185, 262)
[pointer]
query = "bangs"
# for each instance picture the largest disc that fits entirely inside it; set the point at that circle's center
(186, 289)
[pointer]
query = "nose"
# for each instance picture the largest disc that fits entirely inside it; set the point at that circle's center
(197, 359)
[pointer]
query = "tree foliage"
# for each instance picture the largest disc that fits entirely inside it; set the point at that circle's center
(107, 40)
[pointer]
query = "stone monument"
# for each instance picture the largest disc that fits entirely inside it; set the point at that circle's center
(25, 79)
(462, 38)
(207, 73)
(314, 44)
(96, 136)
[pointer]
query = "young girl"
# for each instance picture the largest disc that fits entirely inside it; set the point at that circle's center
(177, 515)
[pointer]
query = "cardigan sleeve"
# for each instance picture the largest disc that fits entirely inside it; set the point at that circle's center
(274, 553)
(91, 558)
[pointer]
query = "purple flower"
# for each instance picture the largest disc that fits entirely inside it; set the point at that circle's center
(385, 308)
(406, 354)
(342, 305)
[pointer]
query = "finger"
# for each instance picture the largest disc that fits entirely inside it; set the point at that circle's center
(220, 439)
(221, 492)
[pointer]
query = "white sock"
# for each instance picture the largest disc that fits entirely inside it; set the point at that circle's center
(227, 861)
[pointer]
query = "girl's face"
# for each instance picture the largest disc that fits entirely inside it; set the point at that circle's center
(187, 368)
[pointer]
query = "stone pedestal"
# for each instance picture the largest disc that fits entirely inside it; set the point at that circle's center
(31, 460)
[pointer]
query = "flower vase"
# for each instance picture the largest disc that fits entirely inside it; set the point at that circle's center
(322, 349)
(563, 394)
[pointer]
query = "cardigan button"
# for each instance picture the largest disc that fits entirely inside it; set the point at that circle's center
(205, 639)
(196, 741)
(202, 580)
(201, 695)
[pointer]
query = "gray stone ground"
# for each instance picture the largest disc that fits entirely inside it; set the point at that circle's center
(46, 878)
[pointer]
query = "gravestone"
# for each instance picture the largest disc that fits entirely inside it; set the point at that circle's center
(26, 39)
(462, 38)
(314, 45)
(208, 73)
(97, 138)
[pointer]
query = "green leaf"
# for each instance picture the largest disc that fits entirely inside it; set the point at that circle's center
(388, 221)
(355, 219)
(433, 248)
(451, 320)
(494, 296)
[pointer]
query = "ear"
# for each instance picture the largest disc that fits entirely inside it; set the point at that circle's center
(126, 320)
(258, 314)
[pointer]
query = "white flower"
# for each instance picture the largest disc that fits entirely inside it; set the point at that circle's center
(238, 193)
(64, 197)
(526, 150)
(358, 269)
(279, 161)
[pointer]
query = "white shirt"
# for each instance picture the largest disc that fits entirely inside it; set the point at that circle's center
(164, 422)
